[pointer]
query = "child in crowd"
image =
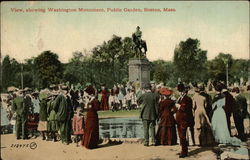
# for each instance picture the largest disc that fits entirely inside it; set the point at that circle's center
(78, 125)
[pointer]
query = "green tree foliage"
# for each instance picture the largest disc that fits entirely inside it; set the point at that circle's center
(217, 67)
(73, 70)
(49, 68)
(30, 75)
(160, 74)
(108, 63)
(111, 58)
(171, 75)
(114, 47)
(190, 58)
(127, 50)
(240, 68)
(11, 70)
(164, 71)
(79, 69)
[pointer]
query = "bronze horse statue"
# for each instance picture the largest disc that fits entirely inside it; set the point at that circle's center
(138, 46)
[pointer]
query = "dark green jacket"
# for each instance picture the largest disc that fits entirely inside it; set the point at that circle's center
(50, 110)
(60, 106)
(63, 108)
(43, 110)
(148, 102)
(20, 107)
(28, 103)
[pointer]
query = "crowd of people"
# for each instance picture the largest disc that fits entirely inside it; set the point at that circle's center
(206, 118)
(59, 112)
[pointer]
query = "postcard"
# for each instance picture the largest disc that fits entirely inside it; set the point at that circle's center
(134, 80)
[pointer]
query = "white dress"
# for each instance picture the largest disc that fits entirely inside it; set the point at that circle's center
(219, 125)
(36, 105)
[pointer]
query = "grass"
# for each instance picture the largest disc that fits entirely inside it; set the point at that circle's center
(121, 113)
(136, 113)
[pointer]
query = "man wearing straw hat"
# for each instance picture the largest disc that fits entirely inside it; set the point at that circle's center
(64, 114)
(21, 108)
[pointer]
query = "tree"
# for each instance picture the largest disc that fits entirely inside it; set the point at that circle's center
(114, 47)
(164, 71)
(127, 48)
(217, 67)
(79, 69)
(111, 58)
(10, 73)
(190, 58)
(159, 74)
(49, 68)
(6, 75)
(239, 70)
(30, 76)
(102, 64)
(73, 72)
(171, 76)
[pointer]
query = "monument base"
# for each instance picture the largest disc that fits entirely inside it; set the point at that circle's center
(139, 71)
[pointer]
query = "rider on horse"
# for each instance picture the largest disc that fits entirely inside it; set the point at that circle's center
(139, 43)
(138, 35)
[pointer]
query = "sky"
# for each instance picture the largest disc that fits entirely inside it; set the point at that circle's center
(220, 27)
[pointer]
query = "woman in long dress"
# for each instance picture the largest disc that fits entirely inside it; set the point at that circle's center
(104, 100)
(219, 121)
(91, 131)
(166, 134)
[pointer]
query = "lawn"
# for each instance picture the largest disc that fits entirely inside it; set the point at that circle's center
(136, 113)
(121, 113)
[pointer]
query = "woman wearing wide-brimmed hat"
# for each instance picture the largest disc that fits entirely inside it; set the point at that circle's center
(166, 134)
(91, 131)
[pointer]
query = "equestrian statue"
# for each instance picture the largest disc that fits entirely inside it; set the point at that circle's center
(140, 45)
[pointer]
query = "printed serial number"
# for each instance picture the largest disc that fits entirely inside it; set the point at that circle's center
(32, 145)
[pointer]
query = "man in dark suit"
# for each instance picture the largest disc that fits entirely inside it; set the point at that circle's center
(149, 113)
(21, 108)
(64, 113)
(184, 118)
(239, 112)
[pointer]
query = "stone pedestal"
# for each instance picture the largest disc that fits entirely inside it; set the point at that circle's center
(139, 70)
